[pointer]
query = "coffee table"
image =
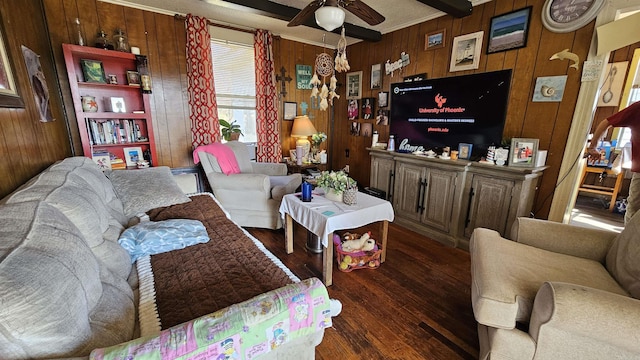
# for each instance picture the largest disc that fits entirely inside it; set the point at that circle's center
(322, 217)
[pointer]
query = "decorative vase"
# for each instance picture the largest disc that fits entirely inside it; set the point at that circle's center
(332, 195)
(89, 103)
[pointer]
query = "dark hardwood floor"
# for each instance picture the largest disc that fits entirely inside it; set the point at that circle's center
(417, 305)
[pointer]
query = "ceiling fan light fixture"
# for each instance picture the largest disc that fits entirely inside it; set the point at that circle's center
(330, 17)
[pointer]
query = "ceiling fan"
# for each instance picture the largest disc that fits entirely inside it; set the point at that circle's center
(329, 13)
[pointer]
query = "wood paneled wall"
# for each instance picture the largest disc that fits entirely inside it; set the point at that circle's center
(27, 146)
(162, 39)
(547, 121)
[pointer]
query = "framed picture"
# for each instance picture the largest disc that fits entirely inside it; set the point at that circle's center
(416, 77)
(376, 76)
(464, 151)
(383, 117)
(117, 104)
(367, 129)
(290, 110)
(113, 80)
(132, 155)
(354, 85)
(92, 70)
(509, 31)
(613, 83)
(435, 40)
(368, 108)
(353, 111)
(9, 96)
(549, 88)
(133, 78)
(465, 52)
(523, 152)
(355, 128)
(383, 99)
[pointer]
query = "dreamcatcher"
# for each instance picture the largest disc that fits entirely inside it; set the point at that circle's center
(325, 67)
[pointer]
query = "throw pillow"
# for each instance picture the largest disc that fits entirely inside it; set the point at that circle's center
(150, 237)
(145, 189)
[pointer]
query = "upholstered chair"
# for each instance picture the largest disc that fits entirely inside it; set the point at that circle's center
(252, 196)
(557, 291)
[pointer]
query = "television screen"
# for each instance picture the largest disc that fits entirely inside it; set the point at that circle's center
(431, 114)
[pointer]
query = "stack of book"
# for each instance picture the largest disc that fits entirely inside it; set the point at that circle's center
(116, 162)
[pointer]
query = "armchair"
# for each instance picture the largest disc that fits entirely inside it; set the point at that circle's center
(252, 197)
(557, 291)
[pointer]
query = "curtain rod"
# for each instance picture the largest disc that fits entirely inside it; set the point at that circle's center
(210, 23)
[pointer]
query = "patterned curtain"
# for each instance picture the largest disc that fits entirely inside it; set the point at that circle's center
(203, 114)
(267, 125)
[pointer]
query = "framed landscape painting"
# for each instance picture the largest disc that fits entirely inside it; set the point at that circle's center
(509, 31)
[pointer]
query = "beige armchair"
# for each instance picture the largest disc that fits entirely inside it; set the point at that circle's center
(557, 291)
(253, 196)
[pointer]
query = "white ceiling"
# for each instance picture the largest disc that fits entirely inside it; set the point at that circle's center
(398, 13)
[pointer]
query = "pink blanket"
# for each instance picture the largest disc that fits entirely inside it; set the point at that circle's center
(225, 156)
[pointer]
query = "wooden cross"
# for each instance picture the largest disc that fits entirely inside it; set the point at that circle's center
(283, 80)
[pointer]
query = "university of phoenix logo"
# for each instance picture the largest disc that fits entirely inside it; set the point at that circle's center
(440, 100)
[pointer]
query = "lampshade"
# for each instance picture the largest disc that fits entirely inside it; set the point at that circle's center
(302, 127)
(330, 17)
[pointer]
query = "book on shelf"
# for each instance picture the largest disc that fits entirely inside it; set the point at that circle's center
(102, 158)
(116, 162)
(116, 131)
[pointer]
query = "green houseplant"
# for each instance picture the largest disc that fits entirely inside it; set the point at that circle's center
(230, 130)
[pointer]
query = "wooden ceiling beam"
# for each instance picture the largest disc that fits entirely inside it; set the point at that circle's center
(455, 8)
(286, 13)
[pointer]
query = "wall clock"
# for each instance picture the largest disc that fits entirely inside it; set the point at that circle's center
(563, 16)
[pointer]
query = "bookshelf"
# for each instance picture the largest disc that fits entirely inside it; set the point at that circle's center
(106, 132)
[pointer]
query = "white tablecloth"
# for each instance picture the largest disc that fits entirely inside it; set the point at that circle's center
(322, 216)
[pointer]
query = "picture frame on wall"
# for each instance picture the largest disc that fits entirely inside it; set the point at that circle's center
(353, 109)
(509, 31)
(290, 110)
(464, 151)
(465, 52)
(376, 76)
(9, 96)
(435, 40)
(354, 85)
(368, 109)
(93, 71)
(383, 99)
(132, 155)
(523, 152)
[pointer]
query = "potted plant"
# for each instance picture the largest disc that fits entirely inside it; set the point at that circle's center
(335, 183)
(230, 130)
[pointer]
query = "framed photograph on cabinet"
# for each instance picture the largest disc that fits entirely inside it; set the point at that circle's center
(132, 155)
(465, 52)
(509, 31)
(93, 71)
(523, 152)
(117, 104)
(464, 151)
(376, 76)
(354, 85)
(435, 40)
(9, 96)
(290, 110)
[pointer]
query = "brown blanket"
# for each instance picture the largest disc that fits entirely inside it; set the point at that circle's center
(204, 278)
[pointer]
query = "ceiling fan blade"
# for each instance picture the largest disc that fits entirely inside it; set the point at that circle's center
(363, 11)
(305, 13)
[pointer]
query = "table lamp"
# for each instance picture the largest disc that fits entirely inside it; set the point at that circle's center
(302, 129)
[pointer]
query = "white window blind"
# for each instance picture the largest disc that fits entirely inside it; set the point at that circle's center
(235, 82)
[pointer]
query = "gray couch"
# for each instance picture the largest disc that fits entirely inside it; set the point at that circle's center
(557, 291)
(66, 285)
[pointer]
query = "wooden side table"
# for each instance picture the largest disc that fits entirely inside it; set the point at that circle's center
(602, 190)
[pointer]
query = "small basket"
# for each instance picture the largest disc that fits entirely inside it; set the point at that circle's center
(356, 260)
(350, 196)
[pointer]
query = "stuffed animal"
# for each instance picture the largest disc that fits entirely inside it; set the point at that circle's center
(364, 243)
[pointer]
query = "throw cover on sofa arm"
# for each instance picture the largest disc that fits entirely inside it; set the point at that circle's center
(245, 330)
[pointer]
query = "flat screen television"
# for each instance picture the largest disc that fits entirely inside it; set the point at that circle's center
(435, 113)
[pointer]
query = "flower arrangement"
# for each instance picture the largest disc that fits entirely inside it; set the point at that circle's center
(318, 138)
(338, 181)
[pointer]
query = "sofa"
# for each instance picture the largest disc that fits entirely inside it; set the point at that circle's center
(252, 195)
(69, 290)
(557, 291)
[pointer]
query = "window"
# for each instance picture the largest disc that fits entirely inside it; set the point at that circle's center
(235, 82)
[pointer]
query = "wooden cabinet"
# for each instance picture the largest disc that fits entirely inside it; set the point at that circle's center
(446, 200)
(383, 173)
(106, 130)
